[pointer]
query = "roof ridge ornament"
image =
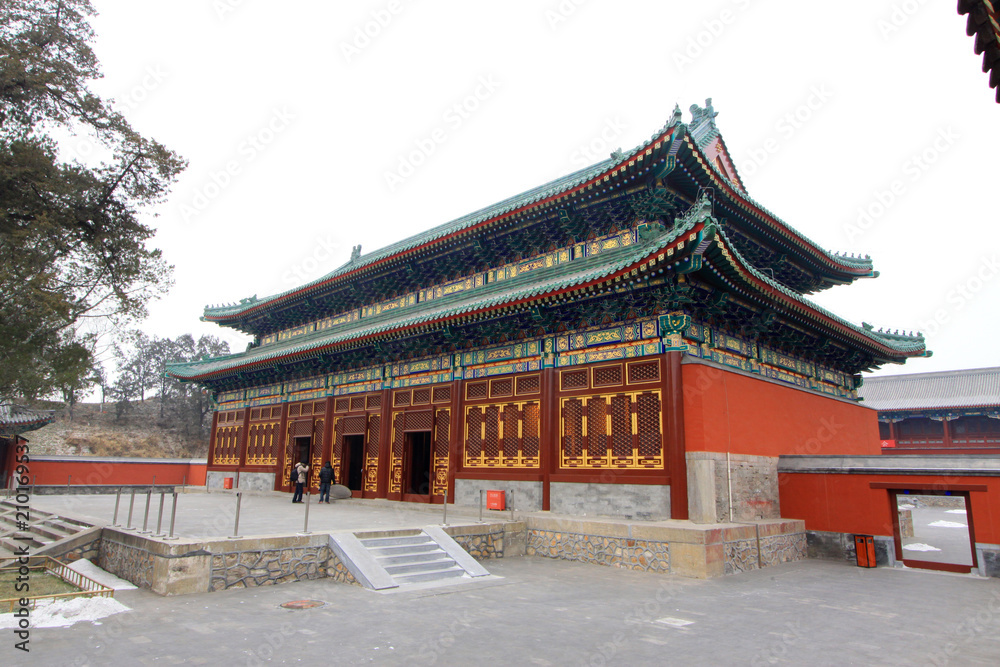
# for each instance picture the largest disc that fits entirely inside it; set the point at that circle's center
(355, 254)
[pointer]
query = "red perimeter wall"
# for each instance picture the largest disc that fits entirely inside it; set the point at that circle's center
(847, 503)
(90, 470)
(726, 411)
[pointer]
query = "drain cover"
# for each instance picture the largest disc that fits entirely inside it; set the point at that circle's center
(302, 604)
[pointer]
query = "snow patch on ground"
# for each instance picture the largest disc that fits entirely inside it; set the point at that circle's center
(947, 524)
(919, 546)
(64, 613)
(954, 511)
(907, 507)
(103, 577)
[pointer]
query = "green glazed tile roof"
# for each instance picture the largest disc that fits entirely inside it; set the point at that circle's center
(527, 286)
(491, 296)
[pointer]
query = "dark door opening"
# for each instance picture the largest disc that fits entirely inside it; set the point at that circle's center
(354, 448)
(417, 463)
(302, 447)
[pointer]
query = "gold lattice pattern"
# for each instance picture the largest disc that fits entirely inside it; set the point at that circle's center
(612, 431)
(371, 454)
(504, 435)
(227, 445)
(317, 453)
(396, 462)
(262, 444)
(439, 483)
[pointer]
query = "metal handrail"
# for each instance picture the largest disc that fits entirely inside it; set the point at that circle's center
(89, 587)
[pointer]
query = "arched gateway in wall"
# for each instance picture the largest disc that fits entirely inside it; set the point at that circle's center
(597, 344)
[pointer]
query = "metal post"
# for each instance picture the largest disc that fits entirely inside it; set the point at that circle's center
(184, 481)
(173, 514)
(446, 507)
(131, 503)
(145, 516)
(118, 499)
(159, 516)
(154, 480)
(34, 478)
(305, 527)
(480, 505)
(511, 503)
(68, 477)
(236, 528)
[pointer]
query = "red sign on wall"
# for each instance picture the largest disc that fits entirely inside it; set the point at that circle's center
(888, 443)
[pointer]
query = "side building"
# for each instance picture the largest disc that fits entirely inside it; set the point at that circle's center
(951, 412)
(633, 339)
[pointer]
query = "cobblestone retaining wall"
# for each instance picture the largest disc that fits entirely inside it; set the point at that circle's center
(623, 552)
(246, 569)
(131, 563)
(490, 541)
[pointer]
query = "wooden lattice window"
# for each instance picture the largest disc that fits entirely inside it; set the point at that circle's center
(422, 396)
(646, 371)
(294, 410)
(621, 426)
(374, 401)
(476, 390)
(573, 380)
(648, 424)
(474, 432)
(357, 403)
(419, 421)
(319, 407)
(608, 376)
(502, 388)
(442, 394)
(528, 384)
(491, 441)
(342, 405)
(597, 426)
(572, 435)
(401, 399)
(530, 441)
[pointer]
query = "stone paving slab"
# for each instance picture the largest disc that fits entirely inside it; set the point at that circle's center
(213, 514)
(547, 612)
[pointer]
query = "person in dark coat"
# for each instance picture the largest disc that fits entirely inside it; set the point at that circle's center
(325, 480)
(299, 475)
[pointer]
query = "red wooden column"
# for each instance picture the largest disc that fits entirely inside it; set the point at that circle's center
(675, 441)
(946, 423)
(241, 446)
(282, 482)
(456, 441)
(548, 431)
(385, 444)
(212, 437)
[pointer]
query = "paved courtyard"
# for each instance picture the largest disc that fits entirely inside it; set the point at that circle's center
(547, 612)
(534, 612)
(202, 514)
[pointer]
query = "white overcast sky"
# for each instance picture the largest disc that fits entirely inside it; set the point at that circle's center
(313, 126)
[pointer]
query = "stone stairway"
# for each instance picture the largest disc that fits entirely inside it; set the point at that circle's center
(414, 558)
(41, 530)
(405, 558)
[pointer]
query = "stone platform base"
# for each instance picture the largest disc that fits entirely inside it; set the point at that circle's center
(676, 547)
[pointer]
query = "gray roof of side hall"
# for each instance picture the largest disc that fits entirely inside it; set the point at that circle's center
(975, 387)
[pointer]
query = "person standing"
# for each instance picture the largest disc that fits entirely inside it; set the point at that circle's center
(325, 480)
(300, 474)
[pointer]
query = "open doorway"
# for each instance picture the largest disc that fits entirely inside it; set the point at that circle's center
(934, 530)
(417, 464)
(354, 452)
(303, 445)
